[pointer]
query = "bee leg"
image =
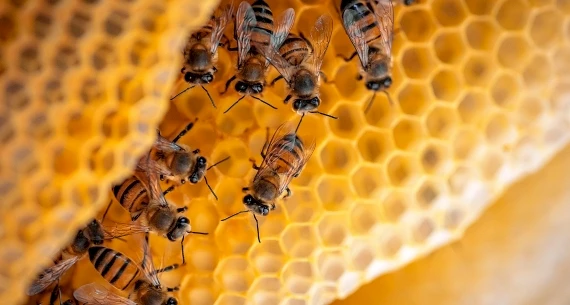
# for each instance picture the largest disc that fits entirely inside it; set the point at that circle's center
(288, 194)
(168, 268)
(347, 59)
(182, 209)
(265, 145)
(324, 76)
(358, 77)
(228, 83)
(254, 165)
(171, 289)
(245, 189)
(287, 99)
(106, 211)
(275, 80)
(184, 131)
(196, 151)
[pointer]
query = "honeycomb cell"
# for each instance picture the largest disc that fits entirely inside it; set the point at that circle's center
(453, 218)
(436, 158)
(478, 71)
(267, 257)
(414, 99)
(298, 276)
(449, 47)
(332, 229)
(9, 29)
(490, 163)
(418, 62)
(408, 134)
(505, 90)
(303, 206)
(536, 71)
(466, 143)
(546, 28)
(449, 13)
(418, 25)
(350, 121)
(562, 59)
(389, 243)
(499, 130)
(442, 122)
(239, 164)
(338, 157)
(481, 35)
(299, 241)
(530, 110)
(29, 61)
(479, 7)
(445, 85)
(363, 218)
(402, 170)
(234, 274)
(242, 235)
(375, 146)
(381, 114)
(362, 254)
(204, 256)
(331, 265)
(422, 230)
(333, 195)
(513, 14)
(474, 107)
(428, 193)
(293, 301)
(395, 206)
(368, 182)
(230, 299)
(264, 290)
(513, 51)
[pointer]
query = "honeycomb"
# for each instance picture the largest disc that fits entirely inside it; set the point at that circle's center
(481, 100)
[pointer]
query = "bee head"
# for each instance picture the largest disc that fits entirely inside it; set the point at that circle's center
(241, 87)
(199, 170)
(257, 88)
(207, 78)
(306, 105)
(180, 229)
(95, 232)
(255, 205)
(194, 78)
(171, 301)
(379, 84)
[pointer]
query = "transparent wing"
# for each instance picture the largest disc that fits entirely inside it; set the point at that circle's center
(384, 13)
(146, 166)
(321, 35)
(125, 229)
(150, 178)
(219, 27)
(280, 64)
(245, 21)
(281, 29)
(146, 261)
(50, 275)
(164, 145)
(96, 294)
(355, 34)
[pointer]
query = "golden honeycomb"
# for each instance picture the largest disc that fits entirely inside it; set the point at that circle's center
(481, 100)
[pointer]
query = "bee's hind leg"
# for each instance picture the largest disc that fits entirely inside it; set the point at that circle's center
(254, 165)
(347, 59)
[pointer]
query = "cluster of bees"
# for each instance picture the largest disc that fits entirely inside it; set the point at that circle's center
(262, 41)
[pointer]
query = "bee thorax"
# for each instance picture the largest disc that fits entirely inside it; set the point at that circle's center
(199, 59)
(180, 163)
(265, 191)
(252, 72)
(161, 220)
(304, 83)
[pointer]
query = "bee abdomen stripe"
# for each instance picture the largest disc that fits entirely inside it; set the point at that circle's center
(369, 27)
(134, 277)
(101, 258)
(120, 272)
(136, 199)
(127, 190)
(295, 50)
(109, 265)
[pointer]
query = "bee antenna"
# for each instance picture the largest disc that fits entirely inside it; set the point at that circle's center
(234, 215)
(388, 96)
(194, 232)
(266, 103)
(257, 227)
(209, 187)
(182, 249)
(299, 124)
(327, 115)
(209, 96)
(225, 159)
(370, 103)
(182, 92)
(232, 106)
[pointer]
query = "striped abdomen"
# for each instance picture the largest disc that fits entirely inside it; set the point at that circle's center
(294, 49)
(285, 155)
(206, 30)
(365, 19)
(133, 196)
(263, 30)
(115, 267)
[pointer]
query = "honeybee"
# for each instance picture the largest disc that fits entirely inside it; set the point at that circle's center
(92, 234)
(123, 273)
(254, 29)
(370, 27)
(56, 295)
(201, 52)
(299, 62)
(284, 157)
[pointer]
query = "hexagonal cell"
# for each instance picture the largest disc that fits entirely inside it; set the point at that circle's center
(442, 122)
(333, 193)
(465, 143)
(478, 70)
(530, 109)
(436, 158)
(422, 230)
(389, 242)
(481, 35)
(338, 157)
(418, 62)
(381, 114)
(446, 85)
(408, 134)
(293, 301)
(323, 294)
(500, 131)
(418, 25)
(368, 181)
(527, 151)
(239, 165)
(449, 47)
(331, 265)
(241, 232)
(299, 240)
(303, 206)
(375, 146)
(363, 218)
(362, 254)
(333, 229)
(480, 7)
(490, 163)
(559, 100)
(267, 257)
(453, 218)
(237, 121)
(537, 72)
(414, 99)
(395, 206)
(349, 123)
(449, 12)
(474, 107)
(403, 170)
(234, 274)
(460, 179)
(562, 59)
(513, 50)
(513, 14)
(298, 276)
(546, 28)
(264, 290)
(505, 90)
(230, 299)
(428, 193)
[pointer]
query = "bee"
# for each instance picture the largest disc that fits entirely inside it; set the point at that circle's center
(201, 52)
(299, 62)
(370, 27)
(254, 29)
(284, 157)
(92, 234)
(123, 273)
(56, 295)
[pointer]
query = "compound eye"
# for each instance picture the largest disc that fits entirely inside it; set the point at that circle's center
(257, 88)
(194, 179)
(264, 211)
(189, 78)
(373, 86)
(171, 301)
(208, 78)
(297, 104)
(315, 101)
(248, 199)
(240, 87)
(387, 82)
(202, 161)
(183, 221)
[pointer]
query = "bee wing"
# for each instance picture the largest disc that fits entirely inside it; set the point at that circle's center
(147, 263)
(164, 145)
(219, 26)
(384, 13)
(245, 21)
(282, 27)
(280, 64)
(125, 229)
(321, 35)
(96, 294)
(50, 275)
(355, 34)
(149, 177)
